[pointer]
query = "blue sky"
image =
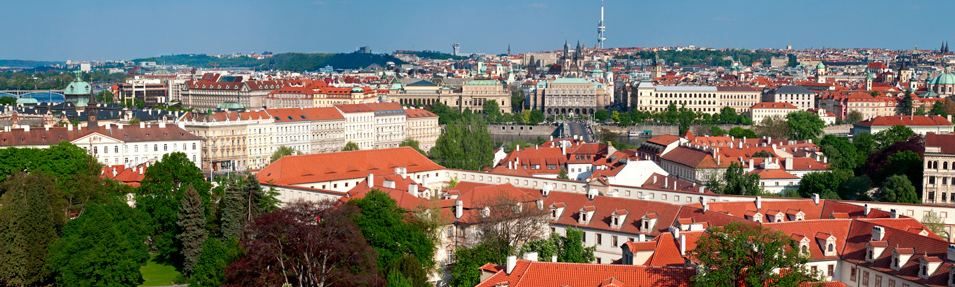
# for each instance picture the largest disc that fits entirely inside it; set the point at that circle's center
(112, 30)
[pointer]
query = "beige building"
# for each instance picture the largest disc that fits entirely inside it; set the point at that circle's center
(211, 91)
(328, 129)
(423, 127)
(764, 110)
(566, 96)
(224, 136)
(359, 125)
(471, 95)
(707, 99)
(938, 176)
(261, 142)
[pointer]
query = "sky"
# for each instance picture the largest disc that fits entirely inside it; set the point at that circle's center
(121, 30)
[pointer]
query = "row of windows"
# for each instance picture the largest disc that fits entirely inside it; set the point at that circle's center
(165, 147)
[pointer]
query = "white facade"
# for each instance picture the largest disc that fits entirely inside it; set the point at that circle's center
(360, 128)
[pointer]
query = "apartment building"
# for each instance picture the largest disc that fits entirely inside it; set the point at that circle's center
(293, 129)
(799, 96)
(359, 125)
(706, 99)
(390, 124)
(214, 89)
(261, 143)
(328, 129)
(224, 139)
(422, 126)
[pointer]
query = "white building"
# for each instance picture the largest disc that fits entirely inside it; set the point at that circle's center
(359, 125)
(128, 145)
(919, 124)
(764, 110)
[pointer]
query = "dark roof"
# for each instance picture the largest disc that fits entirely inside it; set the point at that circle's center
(735, 89)
(421, 83)
(792, 90)
(129, 133)
(944, 141)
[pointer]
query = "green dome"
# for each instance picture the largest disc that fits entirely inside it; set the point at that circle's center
(357, 90)
(820, 65)
(26, 100)
(945, 79)
(78, 86)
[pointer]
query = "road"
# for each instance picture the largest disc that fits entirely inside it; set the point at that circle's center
(579, 129)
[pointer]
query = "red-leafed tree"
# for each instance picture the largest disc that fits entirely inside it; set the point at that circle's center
(291, 246)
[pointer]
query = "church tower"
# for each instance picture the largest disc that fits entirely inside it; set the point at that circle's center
(820, 73)
(657, 69)
(92, 111)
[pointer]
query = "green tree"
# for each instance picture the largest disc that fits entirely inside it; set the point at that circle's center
(601, 115)
(920, 111)
(192, 223)
(283, 151)
(562, 174)
(395, 279)
(840, 152)
(492, 111)
(536, 117)
(856, 188)
(6, 100)
(906, 163)
(464, 144)
(232, 209)
(160, 195)
(906, 105)
(350, 146)
(728, 115)
(826, 184)
(28, 226)
(409, 268)
(104, 247)
(854, 117)
(517, 100)
(572, 248)
(804, 125)
(387, 231)
(742, 253)
(412, 144)
(467, 260)
(892, 135)
(935, 223)
(736, 181)
(938, 109)
(898, 188)
(773, 127)
(545, 248)
(739, 132)
(865, 145)
(211, 265)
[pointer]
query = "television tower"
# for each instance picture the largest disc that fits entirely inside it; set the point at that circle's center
(601, 27)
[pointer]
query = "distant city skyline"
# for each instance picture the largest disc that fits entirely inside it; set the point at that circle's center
(122, 30)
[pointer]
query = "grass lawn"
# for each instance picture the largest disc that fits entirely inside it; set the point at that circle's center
(155, 274)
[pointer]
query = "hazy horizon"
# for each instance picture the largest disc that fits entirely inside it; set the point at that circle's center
(123, 30)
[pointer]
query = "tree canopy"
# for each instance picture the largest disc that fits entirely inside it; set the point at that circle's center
(736, 180)
(160, 195)
(743, 253)
(387, 230)
(283, 151)
(464, 144)
(804, 125)
(351, 146)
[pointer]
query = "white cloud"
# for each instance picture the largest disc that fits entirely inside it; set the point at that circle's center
(539, 5)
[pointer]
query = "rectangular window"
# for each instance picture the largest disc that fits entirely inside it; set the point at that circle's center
(891, 282)
(599, 241)
(852, 274)
(832, 269)
(878, 280)
(865, 278)
(613, 240)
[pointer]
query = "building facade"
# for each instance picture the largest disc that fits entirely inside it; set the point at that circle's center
(422, 126)
(800, 97)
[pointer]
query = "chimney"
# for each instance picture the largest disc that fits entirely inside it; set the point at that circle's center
(666, 181)
(591, 194)
(789, 164)
(563, 150)
(683, 244)
(815, 198)
(530, 256)
(546, 190)
(69, 127)
(702, 190)
(511, 263)
(867, 209)
(675, 231)
(759, 202)
(510, 165)
(26, 128)
(878, 233)
(142, 125)
(413, 189)
(553, 258)
(895, 214)
(458, 209)
(706, 207)
(162, 125)
(371, 180)
(119, 125)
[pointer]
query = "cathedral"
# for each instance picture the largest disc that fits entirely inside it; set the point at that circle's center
(572, 62)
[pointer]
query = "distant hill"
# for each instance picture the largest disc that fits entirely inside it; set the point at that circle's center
(284, 61)
(26, 63)
(434, 55)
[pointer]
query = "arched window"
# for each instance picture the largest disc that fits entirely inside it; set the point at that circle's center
(831, 248)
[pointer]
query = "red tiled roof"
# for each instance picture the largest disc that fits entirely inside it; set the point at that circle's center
(535, 273)
(302, 169)
(774, 105)
(323, 113)
(944, 141)
(906, 121)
